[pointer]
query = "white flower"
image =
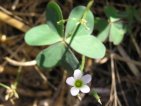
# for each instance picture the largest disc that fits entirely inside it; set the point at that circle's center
(79, 82)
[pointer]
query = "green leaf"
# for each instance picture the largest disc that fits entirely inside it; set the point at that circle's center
(57, 54)
(88, 45)
(51, 56)
(103, 35)
(111, 13)
(54, 15)
(115, 29)
(75, 18)
(41, 35)
(100, 26)
(69, 61)
(132, 14)
(117, 32)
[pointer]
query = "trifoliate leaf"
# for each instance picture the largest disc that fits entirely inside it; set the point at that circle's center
(114, 30)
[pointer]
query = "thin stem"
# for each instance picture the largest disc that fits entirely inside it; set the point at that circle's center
(79, 97)
(89, 5)
(18, 76)
(74, 31)
(82, 63)
(97, 97)
(4, 86)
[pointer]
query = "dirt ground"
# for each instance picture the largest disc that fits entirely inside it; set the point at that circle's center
(116, 77)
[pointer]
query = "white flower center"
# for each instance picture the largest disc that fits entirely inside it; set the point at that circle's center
(78, 83)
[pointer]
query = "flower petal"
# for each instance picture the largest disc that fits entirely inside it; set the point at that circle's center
(85, 89)
(70, 81)
(86, 78)
(74, 91)
(77, 74)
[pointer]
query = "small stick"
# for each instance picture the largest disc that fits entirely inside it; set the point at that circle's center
(14, 6)
(18, 63)
(13, 22)
(132, 67)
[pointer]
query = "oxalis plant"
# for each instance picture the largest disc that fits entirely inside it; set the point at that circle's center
(63, 41)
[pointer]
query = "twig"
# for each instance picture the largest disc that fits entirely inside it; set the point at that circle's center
(31, 93)
(125, 59)
(132, 67)
(114, 100)
(15, 4)
(46, 82)
(122, 91)
(41, 74)
(136, 46)
(17, 63)
(59, 95)
(13, 22)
